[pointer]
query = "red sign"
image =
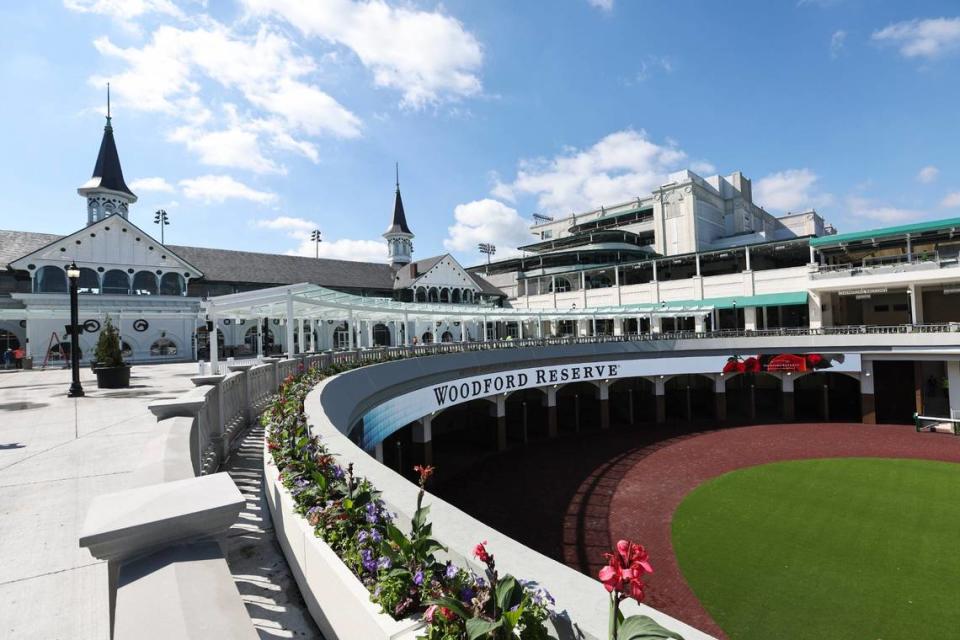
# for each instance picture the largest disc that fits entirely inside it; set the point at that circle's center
(791, 362)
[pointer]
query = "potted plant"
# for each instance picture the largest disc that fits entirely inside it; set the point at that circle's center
(112, 372)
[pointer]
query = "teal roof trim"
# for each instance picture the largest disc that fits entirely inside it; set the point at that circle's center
(761, 300)
(903, 229)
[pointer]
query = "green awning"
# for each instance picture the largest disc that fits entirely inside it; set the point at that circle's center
(886, 232)
(761, 300)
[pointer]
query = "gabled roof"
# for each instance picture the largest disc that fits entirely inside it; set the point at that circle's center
(399, 223)
(223, 265)
(107, 173)
(403, 279)
(17, 244)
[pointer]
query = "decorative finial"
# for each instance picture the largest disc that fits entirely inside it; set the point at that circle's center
(397, 164)
(108, 104)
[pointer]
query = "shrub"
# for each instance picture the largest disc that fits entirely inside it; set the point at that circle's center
(108, 352)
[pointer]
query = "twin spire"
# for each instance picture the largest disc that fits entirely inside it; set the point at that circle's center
(399, 223)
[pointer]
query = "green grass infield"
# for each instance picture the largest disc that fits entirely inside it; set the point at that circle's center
(840, 548)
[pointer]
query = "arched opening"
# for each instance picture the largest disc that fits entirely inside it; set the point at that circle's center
(754, 397)
(455, 296)
(463, 430)
(381, 335)
(172, 284)
(60, 351)
(163, 347)
(527, 417)
(126, 351)
(827, 397)
(446, 337)
(51, 279)
(421, 295)
(251, 336)
(8, 340)
(89, 281)
(559, 284)
(578, 407)
(445, 295)
(689, 397)
(468, 296)
(116, 282)
(145, 284)
(632, 401)
(202, 337)
(426, 338)
(433, 295)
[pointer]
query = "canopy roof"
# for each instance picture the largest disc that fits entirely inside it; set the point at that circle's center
(949, 224)
(309, 301)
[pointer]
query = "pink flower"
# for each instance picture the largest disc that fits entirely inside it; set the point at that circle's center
(624, 570)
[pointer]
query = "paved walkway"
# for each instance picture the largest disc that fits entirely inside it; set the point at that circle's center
(56, 454)
(256, 561)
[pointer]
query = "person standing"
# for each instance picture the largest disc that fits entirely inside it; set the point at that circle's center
(18, 356)
(7, 358)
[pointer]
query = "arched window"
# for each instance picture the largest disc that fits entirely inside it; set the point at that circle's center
(446, 337)
(445, 295)
(421, 295)
(126, 350)
(426, 338)
(163, 347)
(172, 284)
(116, 282)
(433, 295)
(89, 281)
(145, 284)
(381, 335)
(455, 297)
(51, 279)
(8, 340)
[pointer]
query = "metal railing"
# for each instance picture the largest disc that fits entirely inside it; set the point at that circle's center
(885, 264)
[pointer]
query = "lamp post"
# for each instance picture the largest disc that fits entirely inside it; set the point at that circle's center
(488, 249)
(316, 240)
(73, 275)
(160, 218)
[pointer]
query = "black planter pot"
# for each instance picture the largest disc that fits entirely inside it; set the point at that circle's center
(113, 377)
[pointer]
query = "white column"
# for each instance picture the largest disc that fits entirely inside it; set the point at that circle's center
(290, 350)
(909, 248)
(698, 323)
(370, 333)
(618, 326)
(520, 328)
(260, 337)
(953, 384)
(813, 255)
(302, 338)
(750, 318)
(696, 257)
(406, 330)
(350, 325)
(485, 329)
(214, 356)
(463, 330)
(423, 430)
(747, 253)
(916, 304)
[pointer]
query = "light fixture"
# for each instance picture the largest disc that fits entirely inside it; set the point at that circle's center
(73, 271)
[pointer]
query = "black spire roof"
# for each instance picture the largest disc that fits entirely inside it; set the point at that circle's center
(107, 174)
(399, 223)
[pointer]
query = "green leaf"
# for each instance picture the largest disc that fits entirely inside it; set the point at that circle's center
(420, 517)
(478, 627)
(320, 480)
(454, 605)
(644, 628)
(505, 588)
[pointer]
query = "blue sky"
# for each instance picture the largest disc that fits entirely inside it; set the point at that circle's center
(254, 121)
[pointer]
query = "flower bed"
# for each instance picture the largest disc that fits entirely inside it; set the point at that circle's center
(400, 570)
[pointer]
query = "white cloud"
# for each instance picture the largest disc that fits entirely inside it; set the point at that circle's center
(281, 108)
(487, 220)
(928, 174)
(217, 189)
(837, 42)
(152, 184)
(621, 166)
(650, 65)
(790, 190)
(344, 249)
(930, 38)
(287, 223)
(124, 11)
(604, 5)
(426, 55)
(872, 211)
(703, 168)
(951, 200)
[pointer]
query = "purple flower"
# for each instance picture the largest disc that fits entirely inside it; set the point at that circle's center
(366, 558)
(466, 594)
(418, 577)
(451, 571)
(362, 536)
(375, 536)
(337, 472)
(384, 563)
(372, 513)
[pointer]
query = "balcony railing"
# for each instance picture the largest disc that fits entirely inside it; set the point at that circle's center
(885, 264)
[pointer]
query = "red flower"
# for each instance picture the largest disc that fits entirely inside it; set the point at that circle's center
(425, 472)
(625, 568)
(432, 611)
(480, 551)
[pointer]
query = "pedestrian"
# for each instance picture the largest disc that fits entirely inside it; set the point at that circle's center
(7, 358)
(18, 355)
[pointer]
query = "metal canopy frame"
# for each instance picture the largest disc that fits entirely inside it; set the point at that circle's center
(307, 301)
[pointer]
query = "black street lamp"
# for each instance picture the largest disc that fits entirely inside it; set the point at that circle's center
(73, 275)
